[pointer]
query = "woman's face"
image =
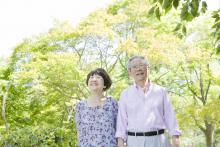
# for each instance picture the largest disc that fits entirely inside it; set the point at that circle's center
(96, 83)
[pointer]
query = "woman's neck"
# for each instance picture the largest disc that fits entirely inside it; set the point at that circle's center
(96, 95)
(96, 99)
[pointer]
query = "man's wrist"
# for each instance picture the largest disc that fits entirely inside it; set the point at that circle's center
(175, 141)
(121, 142)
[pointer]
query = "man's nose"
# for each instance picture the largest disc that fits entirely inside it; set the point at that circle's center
(138, 68)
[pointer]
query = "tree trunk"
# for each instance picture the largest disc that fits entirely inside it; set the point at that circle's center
(209, 134)
(5, 96)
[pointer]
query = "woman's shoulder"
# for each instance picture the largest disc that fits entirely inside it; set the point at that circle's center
(112, 100)
(81, 103)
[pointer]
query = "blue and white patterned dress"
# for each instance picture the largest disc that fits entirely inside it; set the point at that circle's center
(96, 125)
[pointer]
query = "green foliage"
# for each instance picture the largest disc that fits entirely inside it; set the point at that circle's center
(40, 136)
(190, 9)
(47, 72)
(216, 31)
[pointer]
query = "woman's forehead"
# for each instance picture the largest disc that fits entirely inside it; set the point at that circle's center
(96, 74)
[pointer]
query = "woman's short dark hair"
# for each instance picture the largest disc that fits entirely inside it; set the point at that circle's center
(101, 72)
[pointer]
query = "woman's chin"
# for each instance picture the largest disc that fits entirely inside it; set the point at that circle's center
(95, 89)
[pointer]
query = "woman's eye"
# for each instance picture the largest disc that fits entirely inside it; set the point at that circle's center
(95, 77)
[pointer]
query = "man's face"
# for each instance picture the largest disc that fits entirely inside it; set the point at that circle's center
(138, 70)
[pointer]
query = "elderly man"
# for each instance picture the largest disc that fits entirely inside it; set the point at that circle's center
(145, 111)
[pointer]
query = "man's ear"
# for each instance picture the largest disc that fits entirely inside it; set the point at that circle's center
(148, 69)
(129, 72)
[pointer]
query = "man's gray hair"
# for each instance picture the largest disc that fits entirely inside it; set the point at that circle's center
(136, 57)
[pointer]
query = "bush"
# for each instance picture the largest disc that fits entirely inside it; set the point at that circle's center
(39, 137)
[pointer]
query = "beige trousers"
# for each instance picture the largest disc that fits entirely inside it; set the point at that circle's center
(148, 141)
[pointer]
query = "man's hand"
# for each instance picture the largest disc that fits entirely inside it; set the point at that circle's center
(175, 141)
(121, 143)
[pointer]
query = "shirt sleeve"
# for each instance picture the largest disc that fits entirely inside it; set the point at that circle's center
(169, 116)
(121, 129)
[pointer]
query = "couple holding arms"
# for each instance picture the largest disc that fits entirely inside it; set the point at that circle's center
(139, 119)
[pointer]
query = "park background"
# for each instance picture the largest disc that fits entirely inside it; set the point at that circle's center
(44, 76)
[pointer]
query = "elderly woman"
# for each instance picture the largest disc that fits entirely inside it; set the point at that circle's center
(96, 116)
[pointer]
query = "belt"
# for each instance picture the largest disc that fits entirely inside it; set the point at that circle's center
(146, 133)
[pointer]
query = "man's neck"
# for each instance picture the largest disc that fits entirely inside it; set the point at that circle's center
(143, 83)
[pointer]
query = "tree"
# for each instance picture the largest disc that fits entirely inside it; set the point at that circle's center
(47, 72)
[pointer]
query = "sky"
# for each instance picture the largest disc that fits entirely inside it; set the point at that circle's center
(21, 19)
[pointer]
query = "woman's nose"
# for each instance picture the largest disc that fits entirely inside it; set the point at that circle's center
(93, 78)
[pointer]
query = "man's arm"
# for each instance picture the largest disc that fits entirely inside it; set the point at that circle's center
(170, 120)
(170, 117)
(121, 127)
(121, 142)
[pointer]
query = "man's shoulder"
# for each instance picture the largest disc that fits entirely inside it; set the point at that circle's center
(158, 87)
(129, 88)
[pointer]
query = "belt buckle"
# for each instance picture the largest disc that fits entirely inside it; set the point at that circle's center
(157, 132)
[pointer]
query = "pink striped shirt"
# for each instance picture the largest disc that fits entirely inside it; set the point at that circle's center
(142, 112)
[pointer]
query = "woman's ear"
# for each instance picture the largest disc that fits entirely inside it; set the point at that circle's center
(129, 72)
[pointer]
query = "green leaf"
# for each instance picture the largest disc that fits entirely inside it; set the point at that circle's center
(160, 1)
(178, 26)
(218, 49)
(153, 1)
(184, 12)
(166, 4)
(216, 15)
(204, 5)
(113, 9)
(194, 6)
(151, 11)
(184, 29)
(158, 13)
(217, 24)
(175, 3)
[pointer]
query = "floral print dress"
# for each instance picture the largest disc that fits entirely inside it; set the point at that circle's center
(96, 125)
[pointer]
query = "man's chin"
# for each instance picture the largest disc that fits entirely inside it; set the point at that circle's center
(139, 79)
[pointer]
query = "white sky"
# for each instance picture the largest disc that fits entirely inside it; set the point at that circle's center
(20, 19)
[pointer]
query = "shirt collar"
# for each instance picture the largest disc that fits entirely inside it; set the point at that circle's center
(147, 85)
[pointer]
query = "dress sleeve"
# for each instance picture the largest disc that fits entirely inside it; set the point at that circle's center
(115, 113)
(78, 117)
